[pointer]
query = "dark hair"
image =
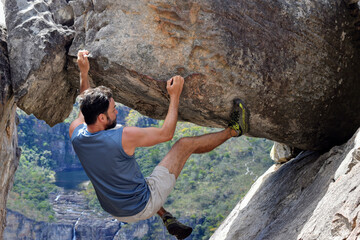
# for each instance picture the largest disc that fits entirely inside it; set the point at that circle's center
(93, 102)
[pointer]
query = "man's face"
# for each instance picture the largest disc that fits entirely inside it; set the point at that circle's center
(111, 115)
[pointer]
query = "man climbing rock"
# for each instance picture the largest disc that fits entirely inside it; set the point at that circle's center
(106, 151)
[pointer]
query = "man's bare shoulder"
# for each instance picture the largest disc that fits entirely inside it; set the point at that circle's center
(77, 122)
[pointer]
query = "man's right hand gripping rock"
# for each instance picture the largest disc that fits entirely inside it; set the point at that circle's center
(174, 87)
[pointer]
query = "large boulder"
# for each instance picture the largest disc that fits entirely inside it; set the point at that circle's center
(296, 65)
(9, 151)
(39, 40)
(314, 196)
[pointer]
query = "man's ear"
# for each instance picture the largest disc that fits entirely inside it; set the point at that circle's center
(102, 117)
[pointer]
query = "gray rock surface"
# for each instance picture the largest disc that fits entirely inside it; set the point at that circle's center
(9, 152)
(294, 64)
(310, 197)
(73, 218)
(21, 227)
(282, 153)
(38, 46)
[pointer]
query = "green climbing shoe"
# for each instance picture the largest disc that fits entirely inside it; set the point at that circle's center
(239, 118)
(176, 228)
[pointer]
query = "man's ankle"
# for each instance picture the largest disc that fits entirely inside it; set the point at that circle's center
(233, 133)
(161, 212)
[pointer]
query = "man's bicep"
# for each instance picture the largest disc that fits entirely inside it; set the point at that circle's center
(142, 137)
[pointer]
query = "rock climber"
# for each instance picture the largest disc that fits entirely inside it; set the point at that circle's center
(106, 152)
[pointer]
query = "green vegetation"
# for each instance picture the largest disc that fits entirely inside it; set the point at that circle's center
(32, 185)
(50, 146)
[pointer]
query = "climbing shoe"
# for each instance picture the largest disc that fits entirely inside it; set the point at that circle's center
(239, 118)
(176, 228)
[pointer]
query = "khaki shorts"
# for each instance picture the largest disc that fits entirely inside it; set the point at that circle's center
(161, 182)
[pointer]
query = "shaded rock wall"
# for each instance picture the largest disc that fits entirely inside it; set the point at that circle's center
(295, 64)
(9, 152)
(314, 196)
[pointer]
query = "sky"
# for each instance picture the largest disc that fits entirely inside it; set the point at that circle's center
(2, 15)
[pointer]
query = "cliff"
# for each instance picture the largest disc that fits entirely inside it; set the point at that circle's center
(9, 151)
(75, 221)
(295, 64)
(313, 196)
(21, 227)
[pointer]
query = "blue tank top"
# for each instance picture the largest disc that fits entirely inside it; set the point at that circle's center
(118, 182)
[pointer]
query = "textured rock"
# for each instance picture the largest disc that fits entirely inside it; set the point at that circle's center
(38, 46)
(73, 218)
(311, 197)
(9, 152)
(282, 153)
(295, 64)
(21, 227)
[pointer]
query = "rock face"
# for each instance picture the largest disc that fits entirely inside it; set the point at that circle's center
(9, 152)
(311, 197)
(21, 227)
(38, 45)
(74, 219)
(294, 64)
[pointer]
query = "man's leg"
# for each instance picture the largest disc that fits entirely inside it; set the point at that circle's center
(176, 158)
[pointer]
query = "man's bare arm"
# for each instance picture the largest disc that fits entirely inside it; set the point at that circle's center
(84, 67)
(134, 137)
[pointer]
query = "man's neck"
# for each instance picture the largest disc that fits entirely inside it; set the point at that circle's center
(93, 128)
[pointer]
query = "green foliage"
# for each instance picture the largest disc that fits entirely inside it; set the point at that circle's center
(43, 144)
(92, 201)
(132, 118)
(32, 185)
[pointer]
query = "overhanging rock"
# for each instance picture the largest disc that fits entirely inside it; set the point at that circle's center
(296, 65)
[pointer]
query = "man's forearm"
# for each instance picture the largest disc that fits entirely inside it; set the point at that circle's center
(171, 118)
(84, 81)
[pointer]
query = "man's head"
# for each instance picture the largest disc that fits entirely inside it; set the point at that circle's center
(98, 106)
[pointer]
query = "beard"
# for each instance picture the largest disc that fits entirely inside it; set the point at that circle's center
(110, 124)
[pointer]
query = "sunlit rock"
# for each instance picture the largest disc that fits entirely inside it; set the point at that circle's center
(313, 196)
